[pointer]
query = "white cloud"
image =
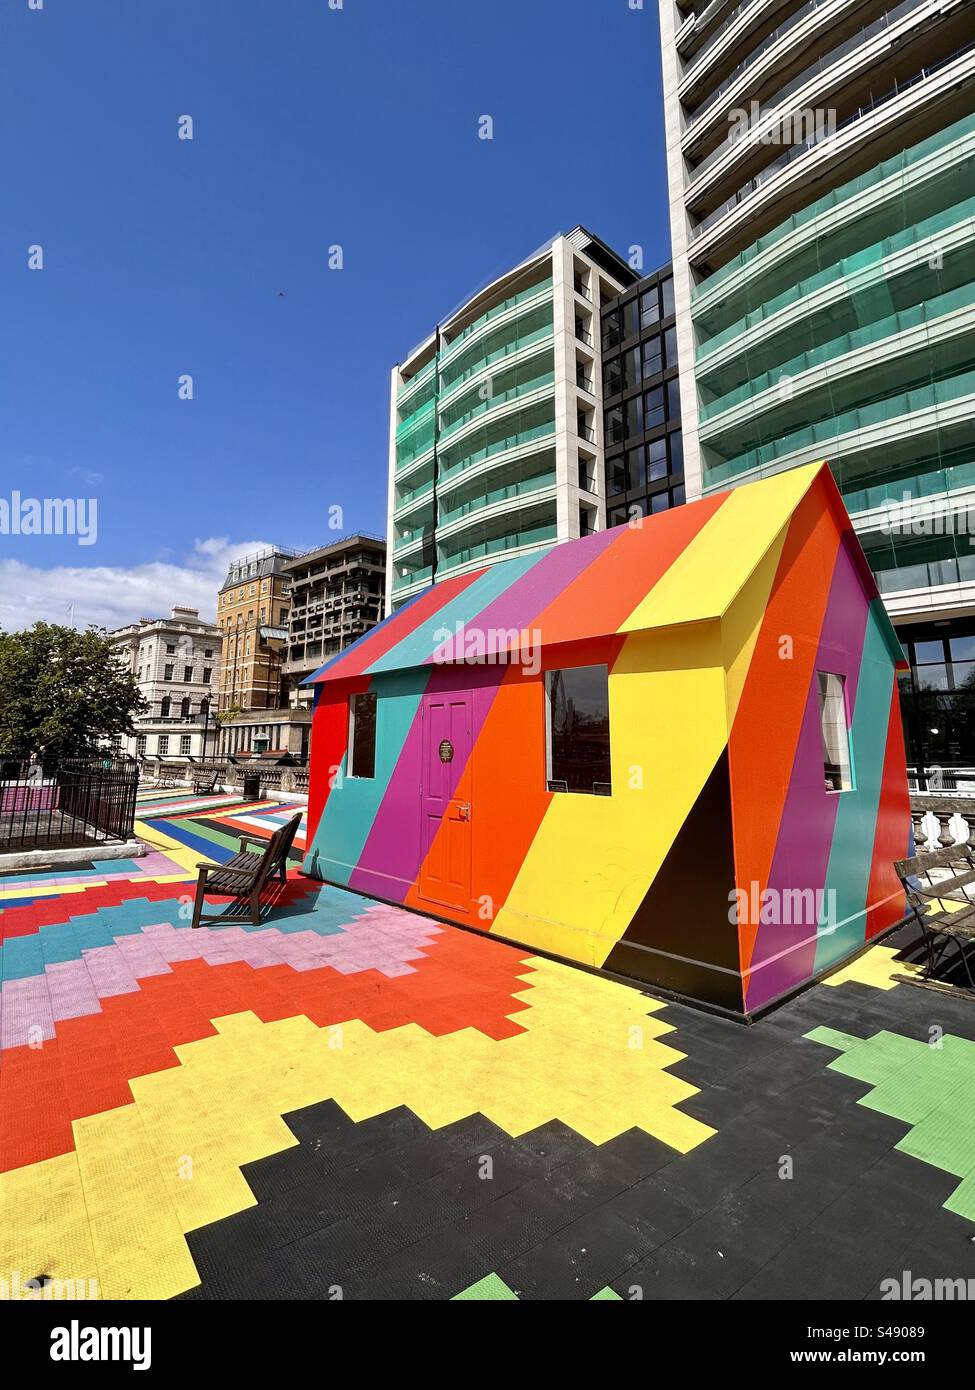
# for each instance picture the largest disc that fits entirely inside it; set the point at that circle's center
(109, 596)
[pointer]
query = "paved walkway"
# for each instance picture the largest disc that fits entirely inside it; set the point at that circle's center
(352, 1100)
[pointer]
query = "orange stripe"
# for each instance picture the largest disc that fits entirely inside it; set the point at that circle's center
(766, 729)
(604, 595)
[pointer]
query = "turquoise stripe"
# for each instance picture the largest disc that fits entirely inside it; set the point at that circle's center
(348, 819)
(417, 646)
(851, 853)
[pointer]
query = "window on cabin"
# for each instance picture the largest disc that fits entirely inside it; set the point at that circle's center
(362, 735)
(577, 701)
(837, 761)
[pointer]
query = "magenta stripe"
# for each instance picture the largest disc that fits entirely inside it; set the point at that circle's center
(391, 857)
(520, 604)
(809, 815)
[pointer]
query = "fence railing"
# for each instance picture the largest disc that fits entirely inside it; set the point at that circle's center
(74, 802)
(954, 781)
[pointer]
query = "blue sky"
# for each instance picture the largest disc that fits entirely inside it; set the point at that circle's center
(311, 127)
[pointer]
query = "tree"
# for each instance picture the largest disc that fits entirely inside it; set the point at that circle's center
(62, 692)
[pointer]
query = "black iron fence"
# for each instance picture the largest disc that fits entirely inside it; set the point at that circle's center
(73, 802)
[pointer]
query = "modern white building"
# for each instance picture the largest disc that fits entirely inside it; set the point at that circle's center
(496, 429)
(821, 166)
(176, 662)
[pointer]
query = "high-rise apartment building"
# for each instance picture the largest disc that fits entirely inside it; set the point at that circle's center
(496, 431)
(821, 162)
(175, 661)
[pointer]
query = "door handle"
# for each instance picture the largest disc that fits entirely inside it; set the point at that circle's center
(464, 810)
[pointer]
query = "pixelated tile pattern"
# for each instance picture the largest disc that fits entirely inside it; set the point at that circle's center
(930, 1086)
(875, 967)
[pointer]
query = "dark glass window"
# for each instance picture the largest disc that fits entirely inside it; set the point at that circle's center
(631, 370)
(962, 648)
(616, 476)
(362, 736)
(650, 308)
(631, 319)
(613, 376)
(676, 443)
(617, 516)
(667, 294)
(656, 460)
(932, 677)
(654, 408)
(660, 503)
(634, 417)
(634, 468)
(673, 398)
(653, 361)
(670, 349)
(612, 328)
(614, 425)
(679, 495)
(167, 673)
(578, 730)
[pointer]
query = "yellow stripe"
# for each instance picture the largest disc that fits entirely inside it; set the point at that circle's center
(593, 858)
(704, 580)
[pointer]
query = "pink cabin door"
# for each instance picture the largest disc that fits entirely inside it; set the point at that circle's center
(445, 805)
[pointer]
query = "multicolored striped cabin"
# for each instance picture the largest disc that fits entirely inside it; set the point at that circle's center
(671, 750)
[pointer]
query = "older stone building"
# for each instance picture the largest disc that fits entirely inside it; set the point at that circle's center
(252, 613)
(175, 661)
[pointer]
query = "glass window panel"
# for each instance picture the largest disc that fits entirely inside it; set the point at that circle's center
(634, 417)
(616, 475)
(667, 295)
(612, 328)
(653, 361)
(932, 677)
(632, 375)
(929, 651)
(964, 674)
(631, 319)
(660, 503)
(654, 408)
(962, 648)
(670, 346)
(675, 441)
(679, 495)
(656, 460)
(617, 516)
(362, 755)
(613, 376)
(578, 730)
(836, 734)
(614, 425)
(650, 308)
(634, 468)
(673, 398)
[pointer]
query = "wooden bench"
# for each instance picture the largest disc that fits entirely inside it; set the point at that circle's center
(941, 924)
(245, 875)
(205, 784)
